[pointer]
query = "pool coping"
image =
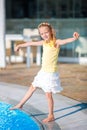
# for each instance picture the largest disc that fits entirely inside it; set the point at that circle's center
(43, 126)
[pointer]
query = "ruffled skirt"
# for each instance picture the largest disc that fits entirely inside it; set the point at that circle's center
(49, 82)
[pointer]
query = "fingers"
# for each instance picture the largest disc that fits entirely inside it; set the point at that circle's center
(16, 48)
(76, 35)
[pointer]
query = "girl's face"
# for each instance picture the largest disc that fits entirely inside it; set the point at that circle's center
(45, 33)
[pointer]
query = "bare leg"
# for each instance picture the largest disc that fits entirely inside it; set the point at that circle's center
(25, 98)
(50, 106)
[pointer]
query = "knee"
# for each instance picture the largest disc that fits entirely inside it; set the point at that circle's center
(49, 95)
(32, 88)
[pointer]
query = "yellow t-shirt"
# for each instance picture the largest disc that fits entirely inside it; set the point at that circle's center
(50, 57)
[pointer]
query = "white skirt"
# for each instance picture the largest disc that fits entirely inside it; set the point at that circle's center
(49, 82)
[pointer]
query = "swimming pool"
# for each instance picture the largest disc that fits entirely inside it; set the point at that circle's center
(16, 119)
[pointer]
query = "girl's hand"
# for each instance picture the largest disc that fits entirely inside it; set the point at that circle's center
(17, 48)
(76, 35)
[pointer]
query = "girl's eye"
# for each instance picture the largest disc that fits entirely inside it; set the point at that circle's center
(41, 33)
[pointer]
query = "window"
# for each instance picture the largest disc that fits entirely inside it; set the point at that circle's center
(46, 9)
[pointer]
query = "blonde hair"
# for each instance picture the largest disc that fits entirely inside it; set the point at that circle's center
(50, 27)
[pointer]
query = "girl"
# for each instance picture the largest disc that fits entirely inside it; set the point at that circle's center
(48, 77)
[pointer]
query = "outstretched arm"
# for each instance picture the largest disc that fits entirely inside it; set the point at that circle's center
(68, 40)
(38, 43)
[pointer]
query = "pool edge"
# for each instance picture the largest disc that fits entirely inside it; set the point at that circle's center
(26, 109)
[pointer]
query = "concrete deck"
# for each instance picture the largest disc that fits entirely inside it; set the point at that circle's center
(69, 114)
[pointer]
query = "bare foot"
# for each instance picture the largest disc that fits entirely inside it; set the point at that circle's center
(48, 119)
(18, 106)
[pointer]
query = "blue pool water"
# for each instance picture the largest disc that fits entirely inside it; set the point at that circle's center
(15, 119)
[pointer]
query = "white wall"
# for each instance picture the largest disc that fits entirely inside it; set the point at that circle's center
(2, 34)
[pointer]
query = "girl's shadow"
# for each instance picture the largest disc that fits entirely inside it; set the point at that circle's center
(53, 125)
(80, 107)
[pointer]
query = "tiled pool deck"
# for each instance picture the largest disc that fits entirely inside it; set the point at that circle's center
(69, 114)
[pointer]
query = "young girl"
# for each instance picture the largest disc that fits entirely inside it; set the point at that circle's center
(48, 76)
